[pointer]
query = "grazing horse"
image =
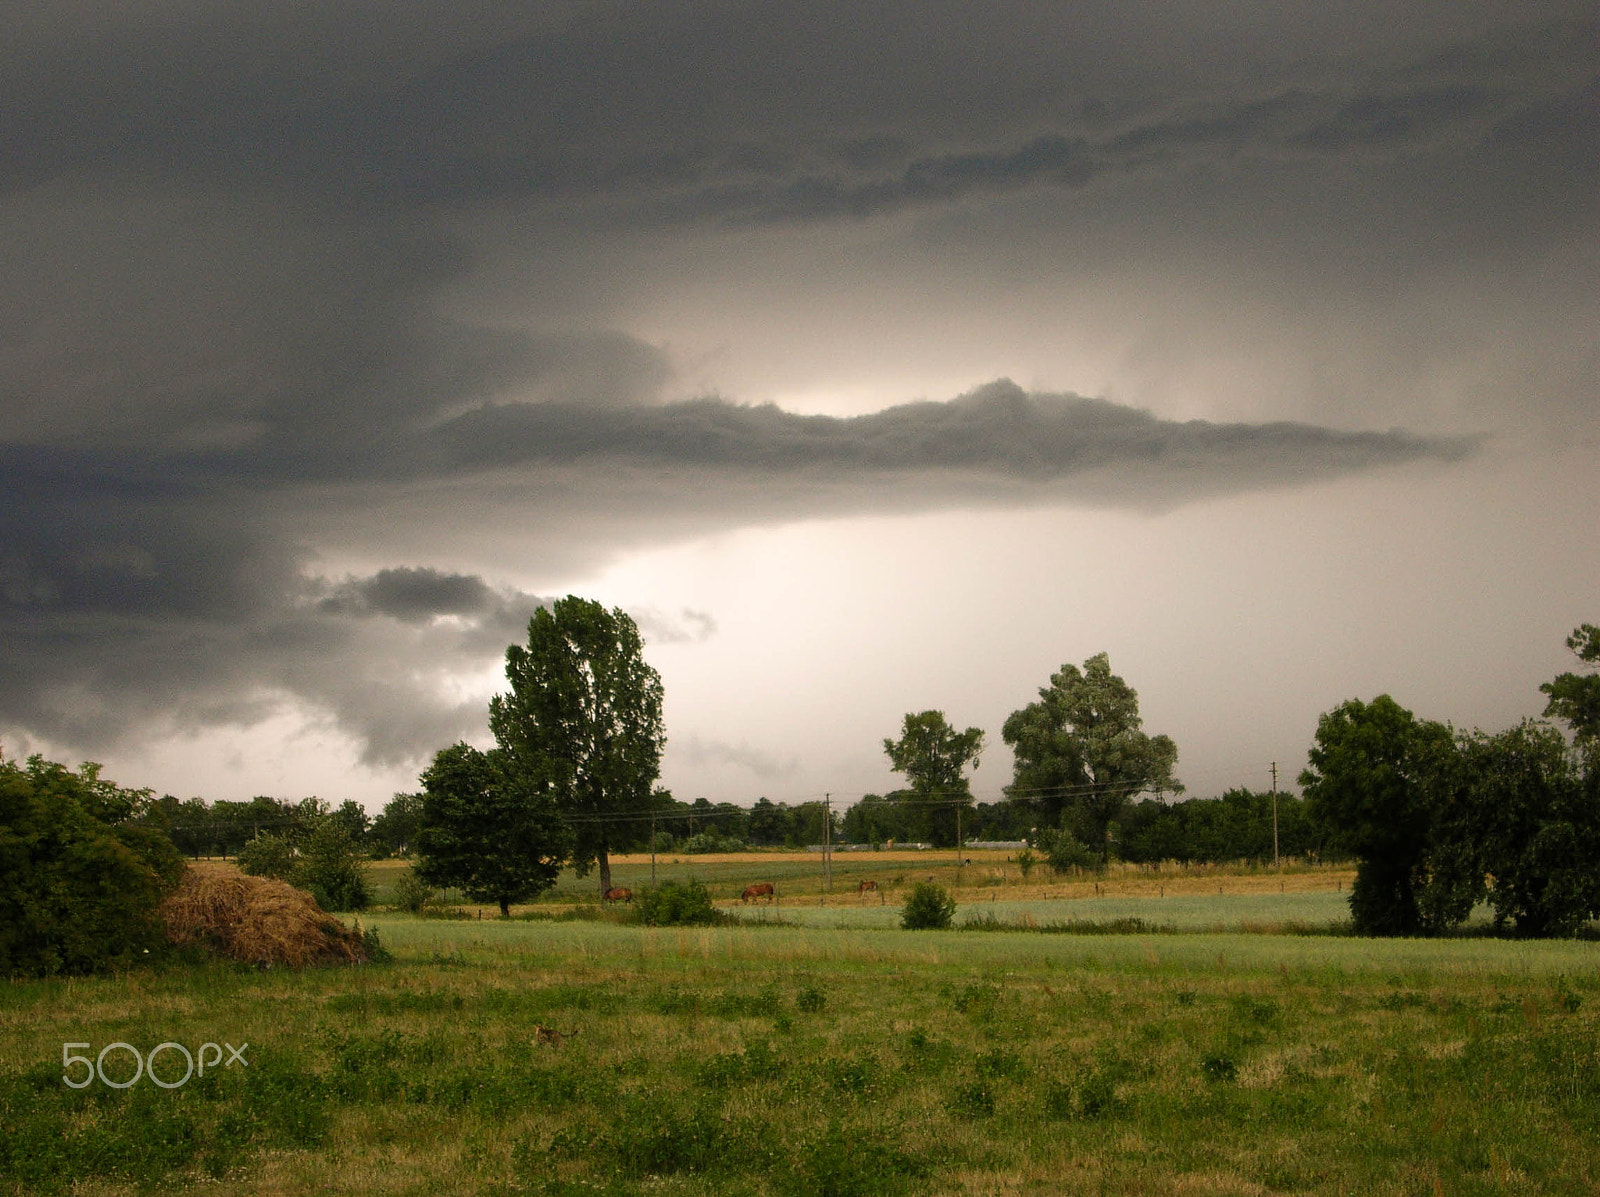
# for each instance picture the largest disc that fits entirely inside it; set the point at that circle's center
(866, 887)
(761, 889)
(617, 894)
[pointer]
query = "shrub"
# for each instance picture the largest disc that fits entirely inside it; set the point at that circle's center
(327, 868)
(1025, 862)
(80, 880)
(928, 906)
(1099, 1095)
(675, 904)
(1058, 1100)
(267, 855)
(1065, 852)
(412, 894)
(330, 871)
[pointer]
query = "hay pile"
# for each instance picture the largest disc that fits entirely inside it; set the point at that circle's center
(257, 920)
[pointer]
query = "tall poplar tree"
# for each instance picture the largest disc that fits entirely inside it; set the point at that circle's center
(582, 718)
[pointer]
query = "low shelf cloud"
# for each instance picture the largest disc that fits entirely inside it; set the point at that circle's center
(196, 606)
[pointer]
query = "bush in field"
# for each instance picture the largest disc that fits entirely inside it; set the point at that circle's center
(267, 855)
(928, 907)
(674, 904)
(1025, 862)
(412, 894)
(1064, 852)
(325, 866)
(330, 871)
(80, 880)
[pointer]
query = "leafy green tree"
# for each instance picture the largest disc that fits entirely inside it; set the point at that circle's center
(1237, 826)
(487, 829)
(934, 758)
(1064, 852)
(352, 816)
(1376, 780)
(268, 855)
(769, 823)
(1082, 754)
(807, 822)
(324, 863)
(1008, 819)
(395, 829)
(1575, 697)
(233, 824)
(412, 894)
(1526, 817)
(80, 877)
(189, 825)
(582, 721)
(330, 869)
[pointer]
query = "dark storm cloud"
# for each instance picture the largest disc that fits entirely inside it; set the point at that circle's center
(412, 595)
(747, 110)
(371, 654)
(998, 430)
(230, 238)
(135, 593)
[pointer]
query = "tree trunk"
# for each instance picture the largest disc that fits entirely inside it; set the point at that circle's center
(605, 870)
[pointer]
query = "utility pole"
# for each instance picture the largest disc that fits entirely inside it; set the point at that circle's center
(652, 849)
(827, 842)
(958, 844)
(1276, 863)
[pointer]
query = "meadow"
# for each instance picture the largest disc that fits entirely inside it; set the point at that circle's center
(564, 1053)
(800, 880)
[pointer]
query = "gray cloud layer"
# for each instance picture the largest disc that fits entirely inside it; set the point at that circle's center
(136, 591)
(757, 108)
(230, 238)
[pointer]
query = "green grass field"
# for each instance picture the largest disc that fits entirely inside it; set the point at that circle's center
(566, 1057)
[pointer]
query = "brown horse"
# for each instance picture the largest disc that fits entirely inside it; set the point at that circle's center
(866, 887)
(761, 889)
(617, 894)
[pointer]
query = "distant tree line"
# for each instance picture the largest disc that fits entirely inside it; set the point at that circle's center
(1235, 827)
(199, 828)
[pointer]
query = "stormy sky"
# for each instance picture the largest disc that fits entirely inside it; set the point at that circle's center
(875, 357)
